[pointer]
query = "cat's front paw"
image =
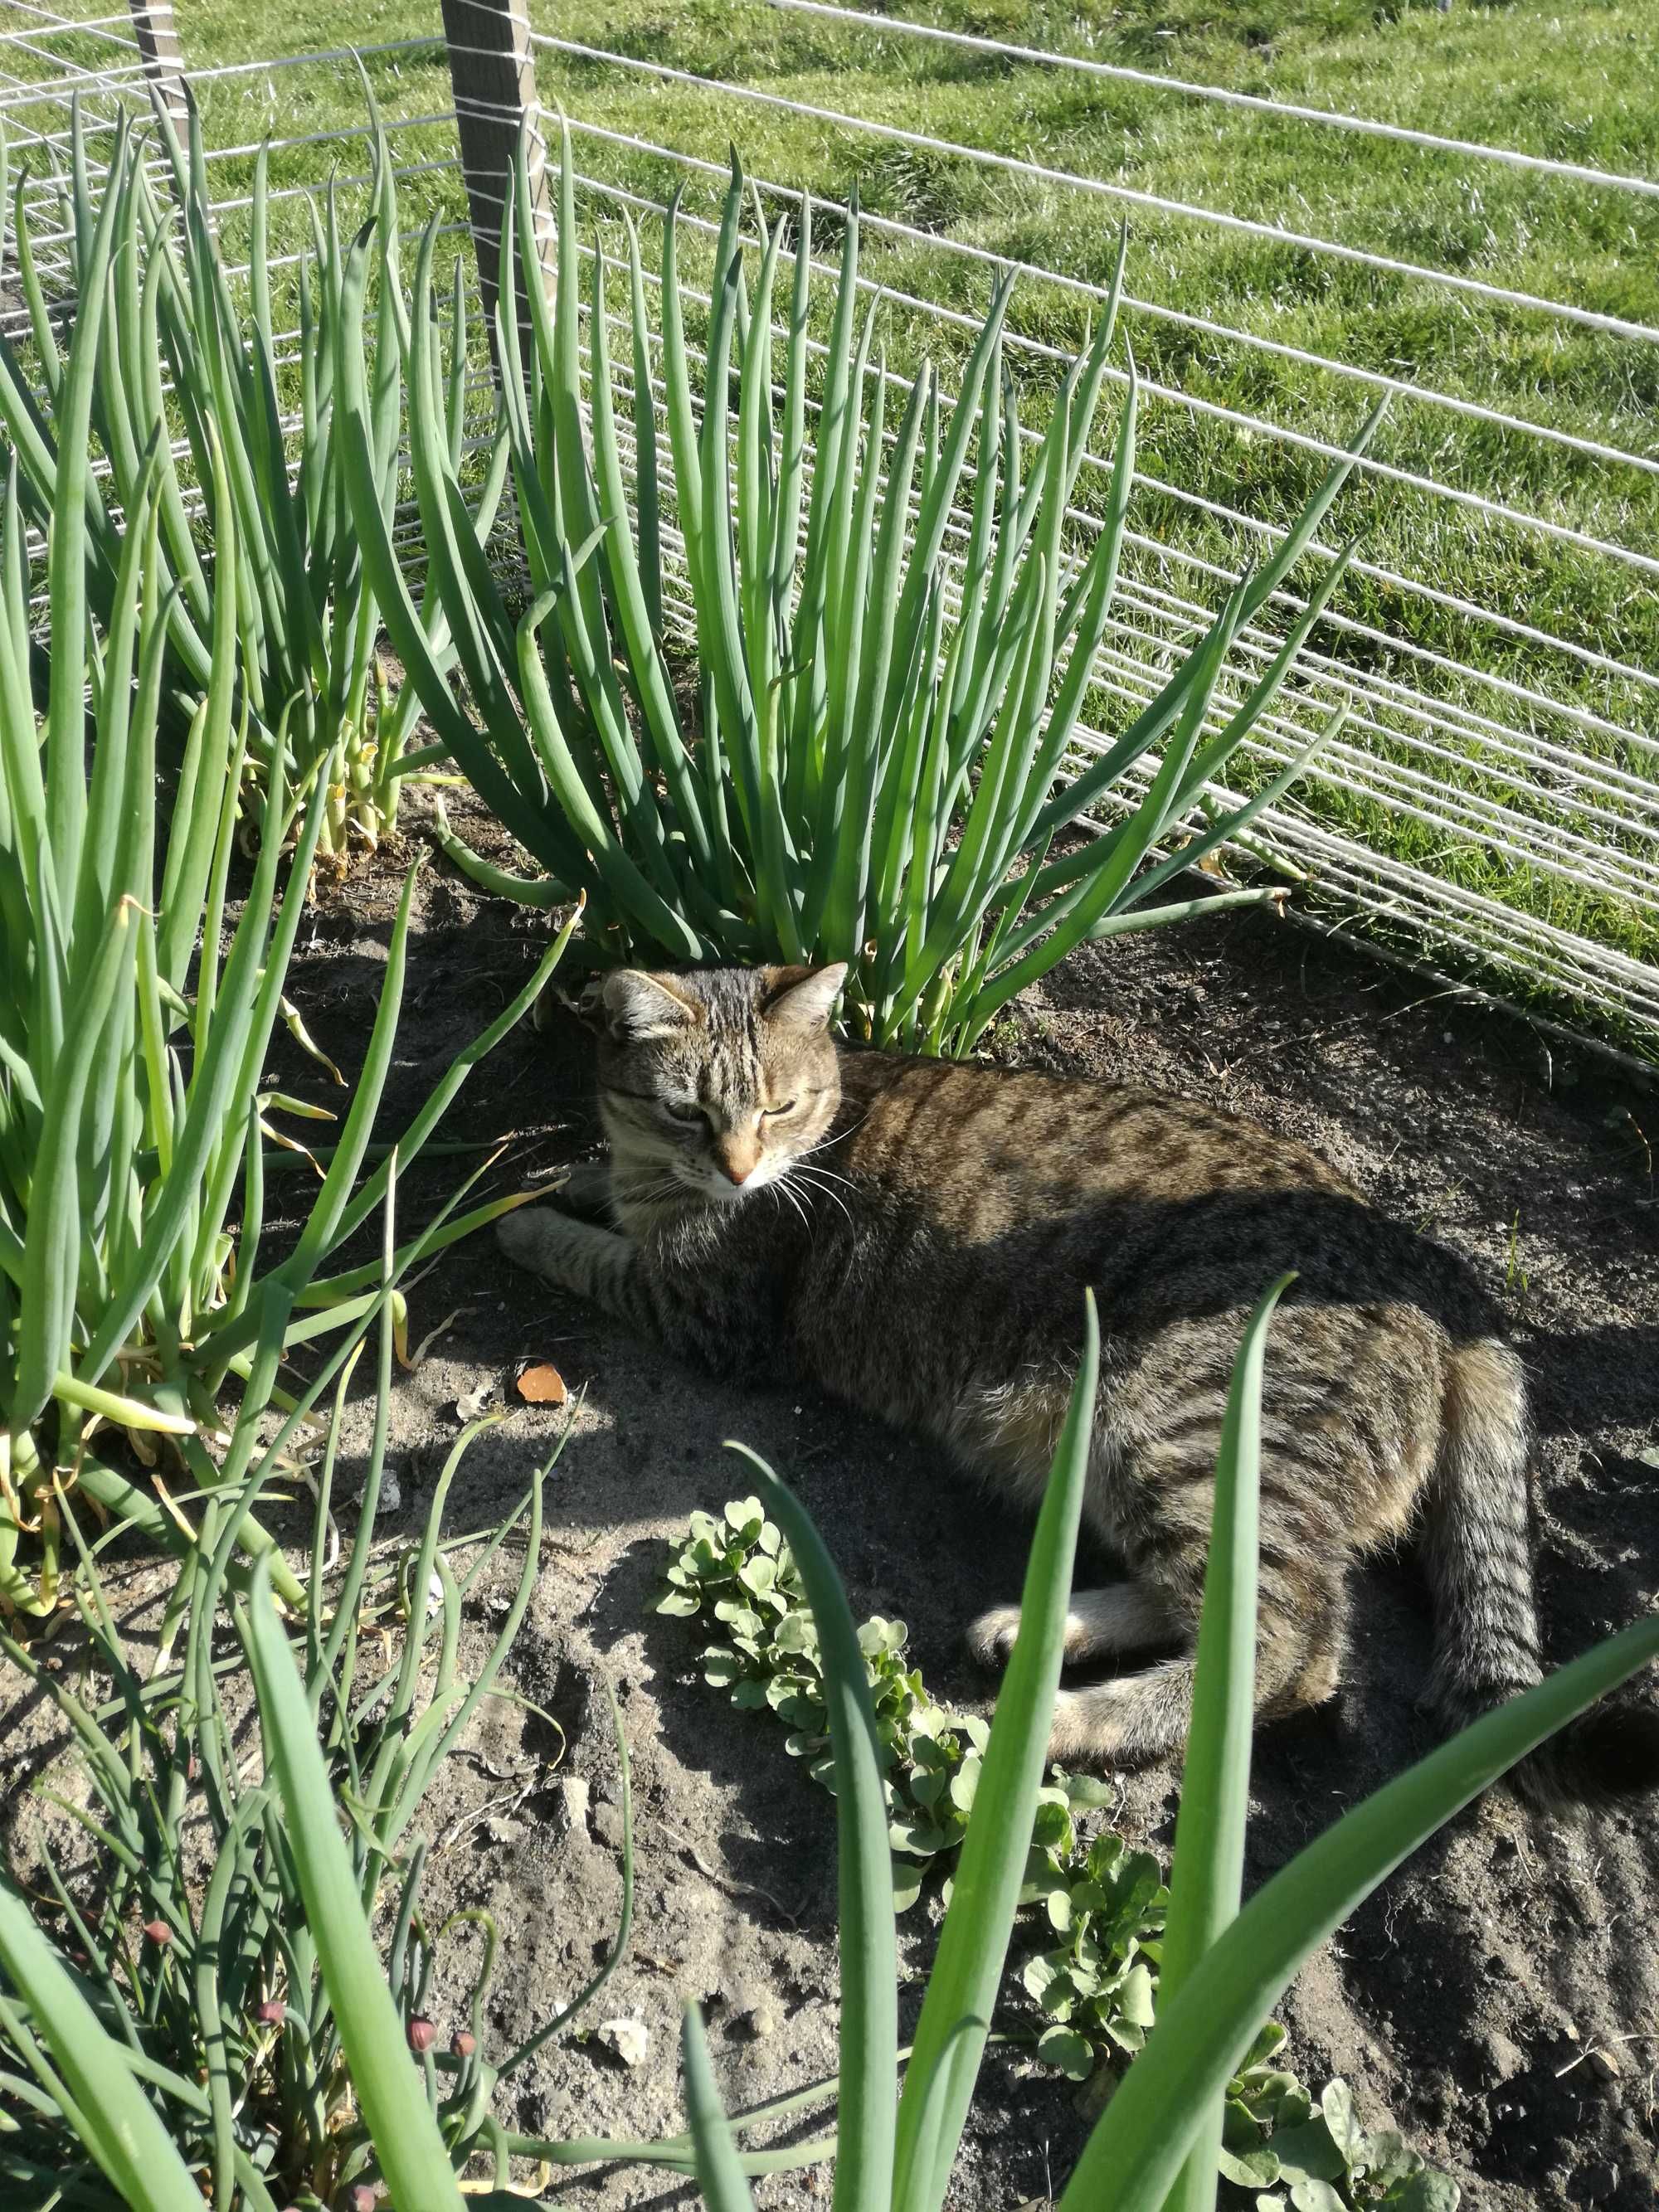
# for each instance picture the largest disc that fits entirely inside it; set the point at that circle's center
(585, 1191)
(526, 1236)
(573, 1255)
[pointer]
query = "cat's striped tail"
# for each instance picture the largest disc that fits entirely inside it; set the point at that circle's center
(1477, 1546)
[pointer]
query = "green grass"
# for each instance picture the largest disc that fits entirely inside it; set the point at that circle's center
(1507, 74)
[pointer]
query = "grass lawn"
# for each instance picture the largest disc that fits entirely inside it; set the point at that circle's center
(1441, 794)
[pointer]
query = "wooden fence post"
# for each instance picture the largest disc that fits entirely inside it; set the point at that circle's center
(493, 70)
(163, 56)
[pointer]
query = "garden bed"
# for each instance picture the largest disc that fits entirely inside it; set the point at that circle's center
(1499, 1998)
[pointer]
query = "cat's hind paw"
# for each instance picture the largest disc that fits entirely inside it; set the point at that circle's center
(1125, 1721)
(991, 1638)
(1100, 1623)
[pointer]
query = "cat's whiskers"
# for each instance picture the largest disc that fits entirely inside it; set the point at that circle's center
(780, 1189)
(810, 1176)
(811, 1153)
(839, 1136)
(665, 1186)
(655, 1202)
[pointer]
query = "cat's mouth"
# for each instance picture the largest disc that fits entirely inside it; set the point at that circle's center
(710, 1184)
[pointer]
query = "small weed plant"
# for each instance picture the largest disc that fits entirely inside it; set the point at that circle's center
(1094, 1988)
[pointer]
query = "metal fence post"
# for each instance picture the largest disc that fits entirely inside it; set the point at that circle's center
(163, 56)
(493, 71)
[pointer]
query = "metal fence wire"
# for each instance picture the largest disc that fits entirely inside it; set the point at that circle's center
(1491, 807)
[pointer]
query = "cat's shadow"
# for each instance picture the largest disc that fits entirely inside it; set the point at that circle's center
(1587, 1379)
(936, 1559)
(878, 1532)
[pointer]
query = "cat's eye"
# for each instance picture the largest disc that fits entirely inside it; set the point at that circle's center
(684, 1109)
(771, 1113)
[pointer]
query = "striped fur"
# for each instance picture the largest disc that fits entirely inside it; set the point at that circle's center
(915, 1237)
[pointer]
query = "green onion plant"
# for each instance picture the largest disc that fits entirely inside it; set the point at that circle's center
(874, 756)
(134, 1029)
(254, 528)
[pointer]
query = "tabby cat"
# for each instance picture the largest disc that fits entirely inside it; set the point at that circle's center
(916, 1235)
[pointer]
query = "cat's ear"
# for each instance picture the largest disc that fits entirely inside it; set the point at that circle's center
(804, 998)
(638, 1007)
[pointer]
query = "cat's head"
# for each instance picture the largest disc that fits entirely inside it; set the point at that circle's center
(718, 1079)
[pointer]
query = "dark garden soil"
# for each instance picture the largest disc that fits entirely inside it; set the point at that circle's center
(1498, 1998)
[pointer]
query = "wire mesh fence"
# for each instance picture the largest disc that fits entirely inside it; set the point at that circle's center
(286, 108)
(1492, 802)
(48, 57)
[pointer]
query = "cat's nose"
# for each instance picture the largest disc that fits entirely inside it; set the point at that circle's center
(736, 1159)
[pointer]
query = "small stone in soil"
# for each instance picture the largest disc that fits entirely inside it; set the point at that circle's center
(569, 1818)
(629, 2038)
(1501, 2059)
